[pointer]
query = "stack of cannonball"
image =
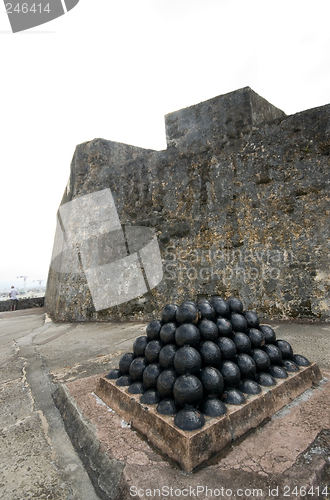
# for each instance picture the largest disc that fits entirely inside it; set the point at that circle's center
(201, 356)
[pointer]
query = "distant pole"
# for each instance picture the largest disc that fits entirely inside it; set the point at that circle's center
(24, 278)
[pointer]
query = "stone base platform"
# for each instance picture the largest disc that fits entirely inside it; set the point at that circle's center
(191, 449)
(278, 459)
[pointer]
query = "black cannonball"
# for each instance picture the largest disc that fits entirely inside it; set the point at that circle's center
(233, 396)
(248, 386)
(256, 336)
(166, 355)
(165, 383)
(227, 348)
(137, 388)
(274, 353)
(277, 371)
(268, 332)
(150, 397)
(290, 365)
(285, 348)
(205, 309)
(153, 329)
(139, 345)
(225, 328)
(251, 319)
(169, 313)
(125, 362)
(151, 374)
(212, 407)
(212, 381)
(187, 334)
(220, 306)
(167, 333)
(187, 312)
(137, 368)
(167, 407)
(265, 379)
(124, 380)
(189, 302)
(187, 360)
(238, 322)
(152, 351)
(210, 353)
(113, 374)
(261, 359)
(235, 305)
(242, 342)
(247, 365)
(300, 360)
(208, 329)
(231, 373)
(187, 390)
(189, 419)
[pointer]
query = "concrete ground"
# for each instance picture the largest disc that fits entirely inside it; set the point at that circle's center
(103, 458)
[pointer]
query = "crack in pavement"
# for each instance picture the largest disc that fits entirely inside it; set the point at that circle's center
(8, 360)
(57, 335)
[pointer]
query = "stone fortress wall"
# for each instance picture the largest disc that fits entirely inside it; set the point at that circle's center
(239, 202)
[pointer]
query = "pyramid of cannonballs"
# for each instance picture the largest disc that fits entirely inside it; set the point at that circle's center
(201, 356)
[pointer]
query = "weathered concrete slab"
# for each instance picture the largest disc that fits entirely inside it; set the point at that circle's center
(37, 457)
(191, 449)
(293, 448)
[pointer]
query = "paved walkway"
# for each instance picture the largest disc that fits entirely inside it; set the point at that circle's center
(38, 459)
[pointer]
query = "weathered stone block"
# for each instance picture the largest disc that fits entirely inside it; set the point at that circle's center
(229, 116)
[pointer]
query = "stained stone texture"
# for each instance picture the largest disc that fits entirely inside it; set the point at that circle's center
(239, 204)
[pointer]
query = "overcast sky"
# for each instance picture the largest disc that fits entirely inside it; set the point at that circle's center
(113, 69)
